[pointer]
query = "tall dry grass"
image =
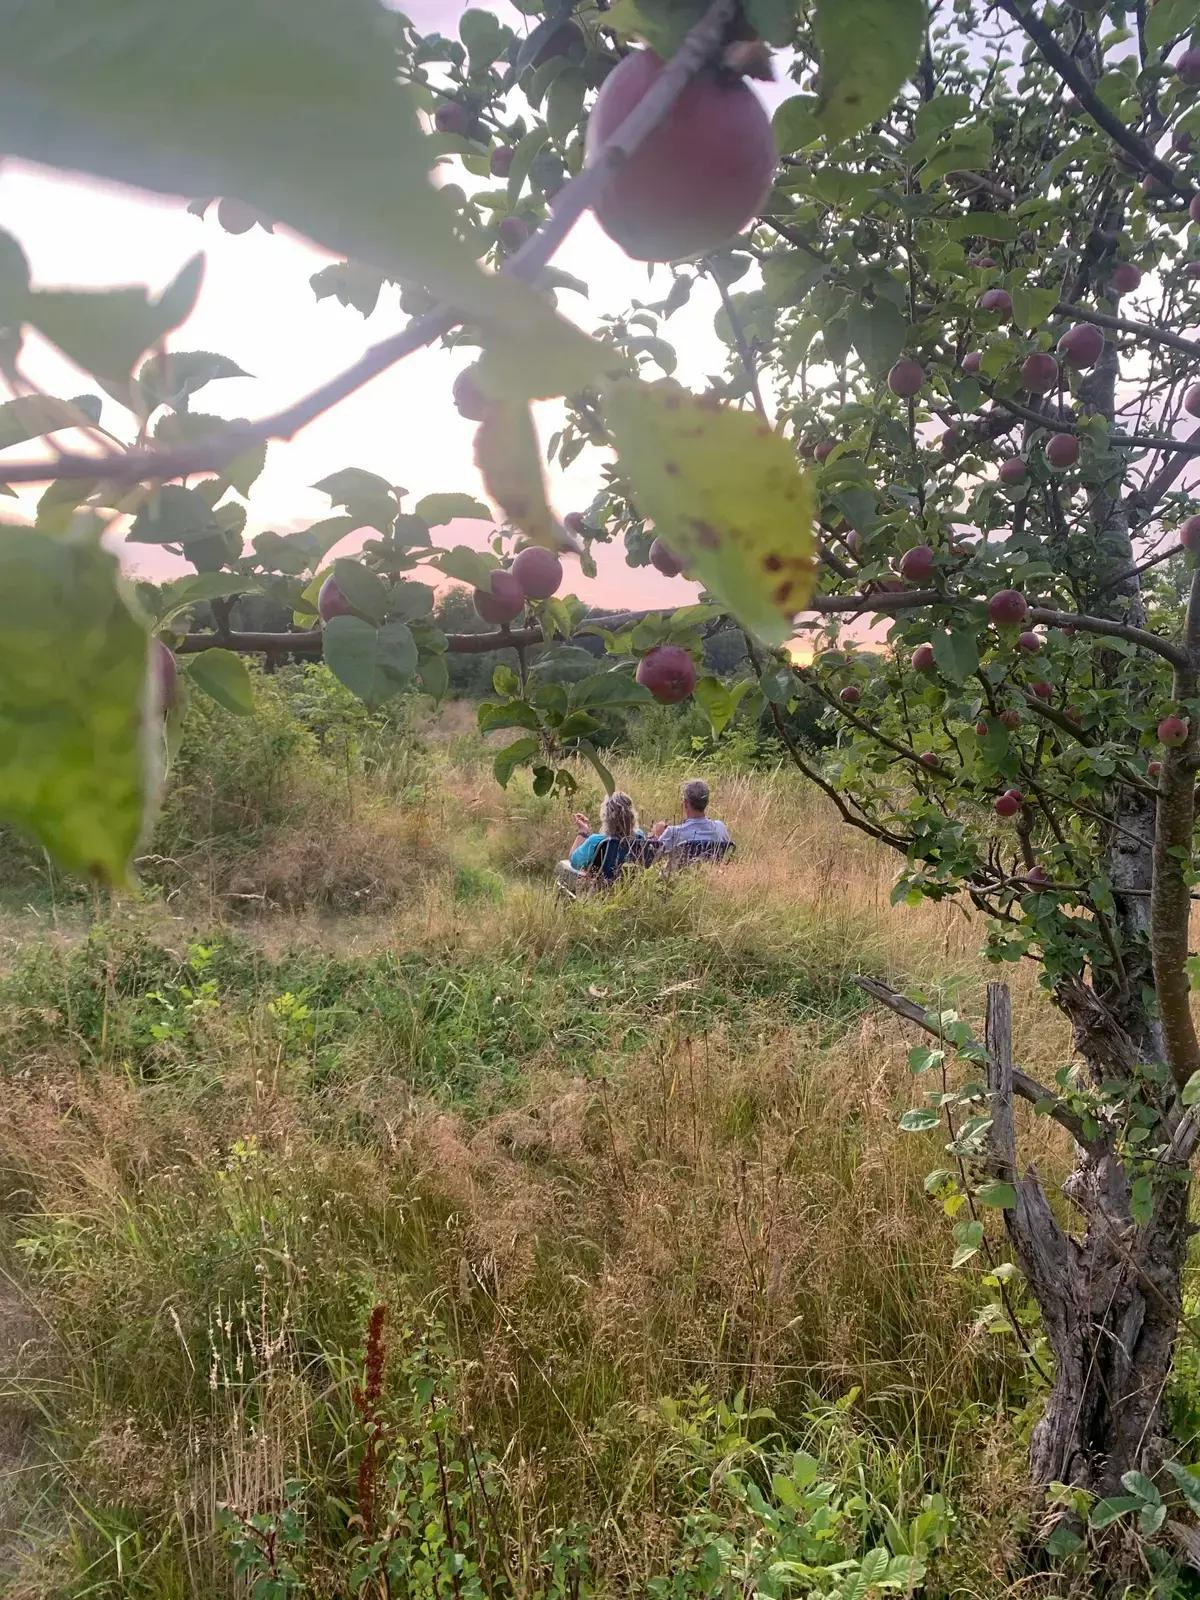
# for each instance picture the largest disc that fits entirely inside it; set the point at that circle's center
(624, 1149)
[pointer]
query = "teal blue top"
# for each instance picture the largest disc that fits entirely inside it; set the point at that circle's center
(584, 855)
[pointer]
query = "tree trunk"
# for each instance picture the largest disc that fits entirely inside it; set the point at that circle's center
(1109, 1301)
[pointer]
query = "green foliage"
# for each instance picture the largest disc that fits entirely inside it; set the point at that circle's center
(78, 765)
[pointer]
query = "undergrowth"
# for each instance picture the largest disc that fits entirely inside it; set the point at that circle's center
(442, 1239)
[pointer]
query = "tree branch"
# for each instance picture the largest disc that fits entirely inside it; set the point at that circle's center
(1028, 1088)
(209, 455)
(1116, 630)
(1055, 56)
(309, 641)
(1140, 330)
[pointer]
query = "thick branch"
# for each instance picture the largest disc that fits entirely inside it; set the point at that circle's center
(309, 642)
(575, 197)
(1116, 630)
(1170, 906)
(1028, 1088)
(1056, 57)
(1139, 330)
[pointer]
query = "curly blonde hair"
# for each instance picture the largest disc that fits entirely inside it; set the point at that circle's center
(618, 819)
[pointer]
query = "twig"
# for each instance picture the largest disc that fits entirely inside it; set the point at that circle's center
(745, 354)
(1140, 330)
(1056, 57)
(207, 455)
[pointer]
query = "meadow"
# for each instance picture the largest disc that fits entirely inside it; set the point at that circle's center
(374, 1223)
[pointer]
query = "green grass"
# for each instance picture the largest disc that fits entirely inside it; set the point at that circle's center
(626, 1175)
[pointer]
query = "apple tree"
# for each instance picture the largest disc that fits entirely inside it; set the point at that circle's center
(953, 271)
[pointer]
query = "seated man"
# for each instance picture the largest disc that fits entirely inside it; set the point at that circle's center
(698, 833)
(595, 855)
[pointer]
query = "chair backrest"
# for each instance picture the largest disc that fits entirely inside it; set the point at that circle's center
(613, 854)
(702, 850)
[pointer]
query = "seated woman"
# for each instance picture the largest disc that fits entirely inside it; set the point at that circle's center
(595, 855)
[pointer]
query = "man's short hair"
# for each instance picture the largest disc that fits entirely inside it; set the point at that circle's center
(695, 794)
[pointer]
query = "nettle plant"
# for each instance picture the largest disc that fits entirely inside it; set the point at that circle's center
(952, 273)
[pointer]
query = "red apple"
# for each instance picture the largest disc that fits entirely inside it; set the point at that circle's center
(1194, 208)
(1081, 346)
(512, 233)
(503, 601)
(951, 442)
(1008, 608)
(573, 522)
(981, 729)
(1007, 805)
(1038, 878)
(698, 178)
(331, 602)
(1016, 794)
(1031, 642)
(1125, 277)
(668, 672)
(1153, 769)
(1013, 470)
(825, 449)
(996, 300)
(235, 217)
(1039, 373)
(1043, 690)
(1188, 67)
(1062, 450)
(922, 658)
(854, 544)
(501, 160)
(1189, 535)
(907, 378)
(559, 42)
(451, 118)
(917, 564)
(538, 571)
(928, 759)
(1173, 731)
(981, 263)
(469, 399)
(1011, 719)
(1191, 401)
(666, 562)
(971, 361)
(850, 695)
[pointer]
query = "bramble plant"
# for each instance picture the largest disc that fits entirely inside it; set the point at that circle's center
(955, 387)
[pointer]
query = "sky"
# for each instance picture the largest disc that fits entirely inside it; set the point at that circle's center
(256, 306)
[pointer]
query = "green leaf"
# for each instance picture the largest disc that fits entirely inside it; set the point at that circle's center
(1063, 1542)
(509, 458)
(524, 152)
(588, 750)
(919, 1120)
(615, 688)
(878, 332)
(512, 714)
(1190, 1092)
(306, 124)
(1139, 1484)
(373, 663)
(172, 515)
(956, 653)
(436, 509)
(75, 771)
(185, 427)
(1001, 1195)
(1188, 1482)
(867, 48)
(1032, 307)
(367, 497)
(967, 150)
(104, 331)
(435, 676)
(222, 675)
(30, 416)
(512, 756)
(466, 565)
(1107, 1511)
(353, 283)
(1167, 20)
(564, 103)
(772, 20)
(484, 36)
(171, 379)
(719, 703)
(725, 493)
(362, 588)
(980, 225)
(1141, 1199)
(184, 593)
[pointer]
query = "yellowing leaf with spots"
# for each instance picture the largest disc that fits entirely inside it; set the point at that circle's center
(725, 493)
(508, 458)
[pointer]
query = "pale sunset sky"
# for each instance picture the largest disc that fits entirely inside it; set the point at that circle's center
(256, 307)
